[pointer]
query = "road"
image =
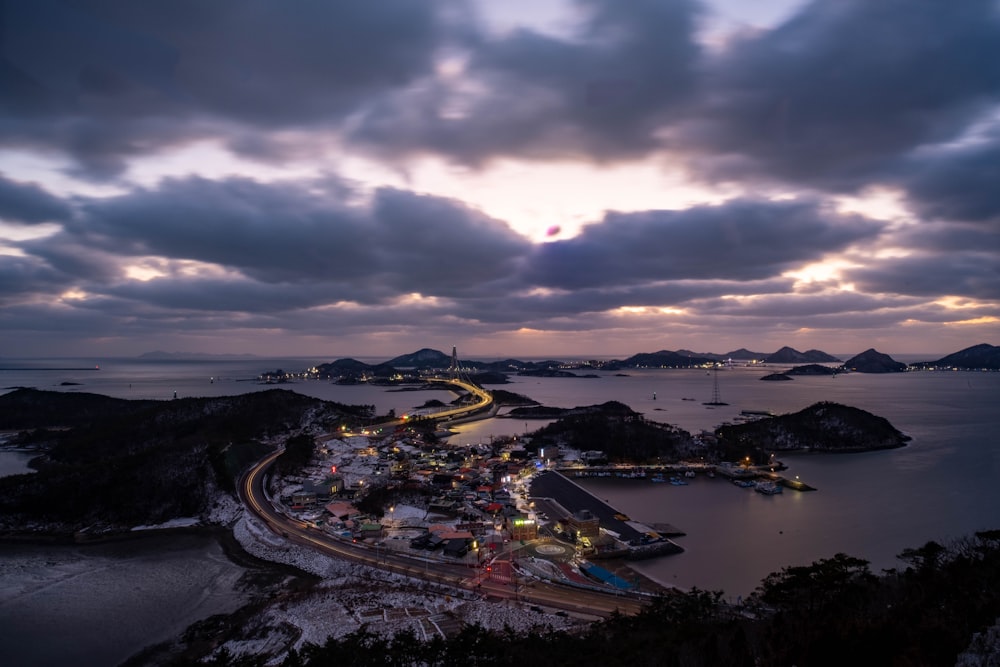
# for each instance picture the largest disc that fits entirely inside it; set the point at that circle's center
(484, 401)
(581, 601)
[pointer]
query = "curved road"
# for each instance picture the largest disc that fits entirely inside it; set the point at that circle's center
(485, 400)
(582, 601)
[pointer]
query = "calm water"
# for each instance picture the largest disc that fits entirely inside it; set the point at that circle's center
(943, 485)
(99, 604)
(873, 505)
(13, 462)
(159, 380)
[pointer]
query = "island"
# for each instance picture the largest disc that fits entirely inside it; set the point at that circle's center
(821, 427)
(873, 361)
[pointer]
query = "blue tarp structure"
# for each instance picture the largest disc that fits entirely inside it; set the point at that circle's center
(604, 576)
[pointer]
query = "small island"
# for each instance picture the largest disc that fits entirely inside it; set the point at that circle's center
(821, 427)
(873, 361)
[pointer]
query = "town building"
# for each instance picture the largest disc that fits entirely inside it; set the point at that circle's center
(522, 527)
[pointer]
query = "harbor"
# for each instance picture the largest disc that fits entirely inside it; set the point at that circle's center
(676, 474)
(602, 530)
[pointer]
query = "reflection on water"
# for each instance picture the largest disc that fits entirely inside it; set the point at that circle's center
(99, 604)
(15, 462)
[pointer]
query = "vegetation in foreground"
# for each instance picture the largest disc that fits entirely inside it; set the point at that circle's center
(833, 612)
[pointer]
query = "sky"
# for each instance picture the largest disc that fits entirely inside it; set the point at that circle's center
(521, 178)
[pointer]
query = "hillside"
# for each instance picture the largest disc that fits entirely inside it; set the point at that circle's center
(144, 462)
(824, 427)
(32, 408)
(613, 428)
(789, 355)
(873, 361)
(664, 359)
(978, 357)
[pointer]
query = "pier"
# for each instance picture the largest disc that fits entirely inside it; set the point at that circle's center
(728, 470)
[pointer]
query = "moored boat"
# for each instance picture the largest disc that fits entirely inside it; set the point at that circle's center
(768, 488)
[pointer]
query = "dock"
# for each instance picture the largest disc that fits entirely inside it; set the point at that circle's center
(759, 472)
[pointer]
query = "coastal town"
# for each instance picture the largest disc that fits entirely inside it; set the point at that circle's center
(475, 505)
(509, 509)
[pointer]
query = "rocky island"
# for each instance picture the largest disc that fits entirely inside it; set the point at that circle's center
(873, 361)
(982, 357)
(821, 427)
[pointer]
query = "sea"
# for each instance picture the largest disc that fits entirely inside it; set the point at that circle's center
(943, 486)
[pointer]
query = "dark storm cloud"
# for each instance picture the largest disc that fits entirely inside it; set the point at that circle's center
(958, 184)
(843, 86)
(73, 259)
(944, 239)
(538, 307)
(228, 296)
(276, 233)
(288, 233)
(108, 79)
(29, 203)
(967, 274)
(831, 97)
(782, 306)
(739, 240)
(603, 93)
(438, 246)
(27, 277)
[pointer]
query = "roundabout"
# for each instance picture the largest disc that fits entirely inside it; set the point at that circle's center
(550, 550)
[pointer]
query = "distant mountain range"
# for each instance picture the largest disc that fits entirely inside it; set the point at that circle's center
(984, 357)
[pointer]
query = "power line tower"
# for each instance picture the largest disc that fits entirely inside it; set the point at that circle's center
(716, 395)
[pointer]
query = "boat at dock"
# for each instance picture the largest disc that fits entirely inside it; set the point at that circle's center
(768, 488)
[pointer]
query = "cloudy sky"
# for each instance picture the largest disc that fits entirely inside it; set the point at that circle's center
(523, 178)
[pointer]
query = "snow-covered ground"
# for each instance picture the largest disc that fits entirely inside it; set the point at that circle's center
(351, 596)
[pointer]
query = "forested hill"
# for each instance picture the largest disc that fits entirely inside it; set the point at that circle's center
(822, 426)
(33, 408)
(618, 431)
(114, 463)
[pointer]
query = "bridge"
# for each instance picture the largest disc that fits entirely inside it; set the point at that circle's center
(484, 400)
